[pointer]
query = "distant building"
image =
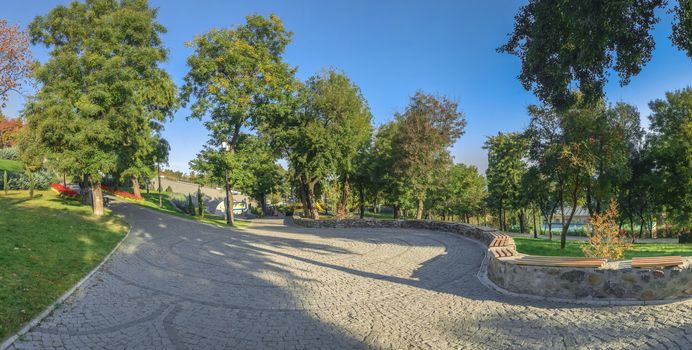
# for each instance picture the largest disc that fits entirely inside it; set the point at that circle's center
(579, 220)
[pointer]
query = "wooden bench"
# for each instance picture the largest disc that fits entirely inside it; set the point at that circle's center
(503, 252)
(661, 261)
(500, 240)
(560, 261)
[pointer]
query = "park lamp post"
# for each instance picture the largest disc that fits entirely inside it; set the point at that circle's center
(226, 147)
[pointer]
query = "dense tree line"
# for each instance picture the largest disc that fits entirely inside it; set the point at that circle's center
(104, 98)
(590, 155)
(579, 151)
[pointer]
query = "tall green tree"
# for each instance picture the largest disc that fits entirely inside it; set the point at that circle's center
(507, 155)
(385, 183)
(425, 131)
(237, 78)
(102, 87)
(335, 101)
(670, 147)
(561, 143)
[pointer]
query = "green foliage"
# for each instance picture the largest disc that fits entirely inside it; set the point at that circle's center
(670, 146)
(190, 205)
(103, 94)
(425, 131)
(507, 155)
(179, 200)
(9, 153)
(169, 189)
(682, 28)
(200, 202)
(39, 180)
(563, 41)
(237, 76)
(331, 124)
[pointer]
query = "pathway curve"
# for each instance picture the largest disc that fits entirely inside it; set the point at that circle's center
(178, 284)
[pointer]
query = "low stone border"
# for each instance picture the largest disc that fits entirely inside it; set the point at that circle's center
(52, 307)
(615, 284)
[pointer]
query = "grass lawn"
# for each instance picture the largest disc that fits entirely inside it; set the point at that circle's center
(11, 166)
(151, 200)
(48, 244)
(539, 246)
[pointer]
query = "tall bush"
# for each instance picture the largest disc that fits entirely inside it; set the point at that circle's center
(605, 240)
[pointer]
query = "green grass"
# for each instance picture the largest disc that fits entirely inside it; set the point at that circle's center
(11, 166)
(48, 244)
(151, 200)
(539, 246)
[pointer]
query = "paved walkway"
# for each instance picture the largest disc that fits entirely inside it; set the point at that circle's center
(177, 284)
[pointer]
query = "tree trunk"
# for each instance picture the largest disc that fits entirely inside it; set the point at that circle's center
(535, 233)
(313, 213)
(83, 188)
(419, 209)
(135, 187)
(342, 204)
(263, 199)
(521, 218)
(565, 225)
(229, 200)
(362, 201)
(397, 211)
(31, 184)
(158, 177)
(96, 197)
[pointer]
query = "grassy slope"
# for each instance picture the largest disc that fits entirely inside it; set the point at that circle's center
(151, 200)
(48, 244)
(11, 165)
(573, 248)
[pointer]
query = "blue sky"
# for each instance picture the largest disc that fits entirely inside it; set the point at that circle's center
(390, 49)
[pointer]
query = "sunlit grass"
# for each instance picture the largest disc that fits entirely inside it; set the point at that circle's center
(48, 244)
(11, 165)
(539, 246)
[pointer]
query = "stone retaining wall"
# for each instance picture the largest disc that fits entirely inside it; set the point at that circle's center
(617, 280)
(476, 232)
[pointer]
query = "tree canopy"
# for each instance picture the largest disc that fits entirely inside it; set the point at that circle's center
(102, 93)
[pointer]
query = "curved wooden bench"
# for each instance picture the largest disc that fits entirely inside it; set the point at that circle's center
(503, 252)
(560, 261)
(661, 261)
(500, 240)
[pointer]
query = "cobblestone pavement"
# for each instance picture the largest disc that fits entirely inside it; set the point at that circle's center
(177, 284)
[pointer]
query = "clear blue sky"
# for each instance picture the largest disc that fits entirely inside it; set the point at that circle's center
(390, 49)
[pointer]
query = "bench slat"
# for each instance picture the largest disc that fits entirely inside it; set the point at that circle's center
(662, 261)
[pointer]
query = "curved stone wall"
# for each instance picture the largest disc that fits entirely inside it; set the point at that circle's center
(616, 280)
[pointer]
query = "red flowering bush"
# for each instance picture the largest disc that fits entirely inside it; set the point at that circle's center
(65, 191)
(118, 193)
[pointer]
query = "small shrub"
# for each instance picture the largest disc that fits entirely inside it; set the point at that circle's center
(169, 189)
(256, 211)
(605, 240)
(190, 206)
(11, 153)
(200, 202)
(179, 200)
(21, 181)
